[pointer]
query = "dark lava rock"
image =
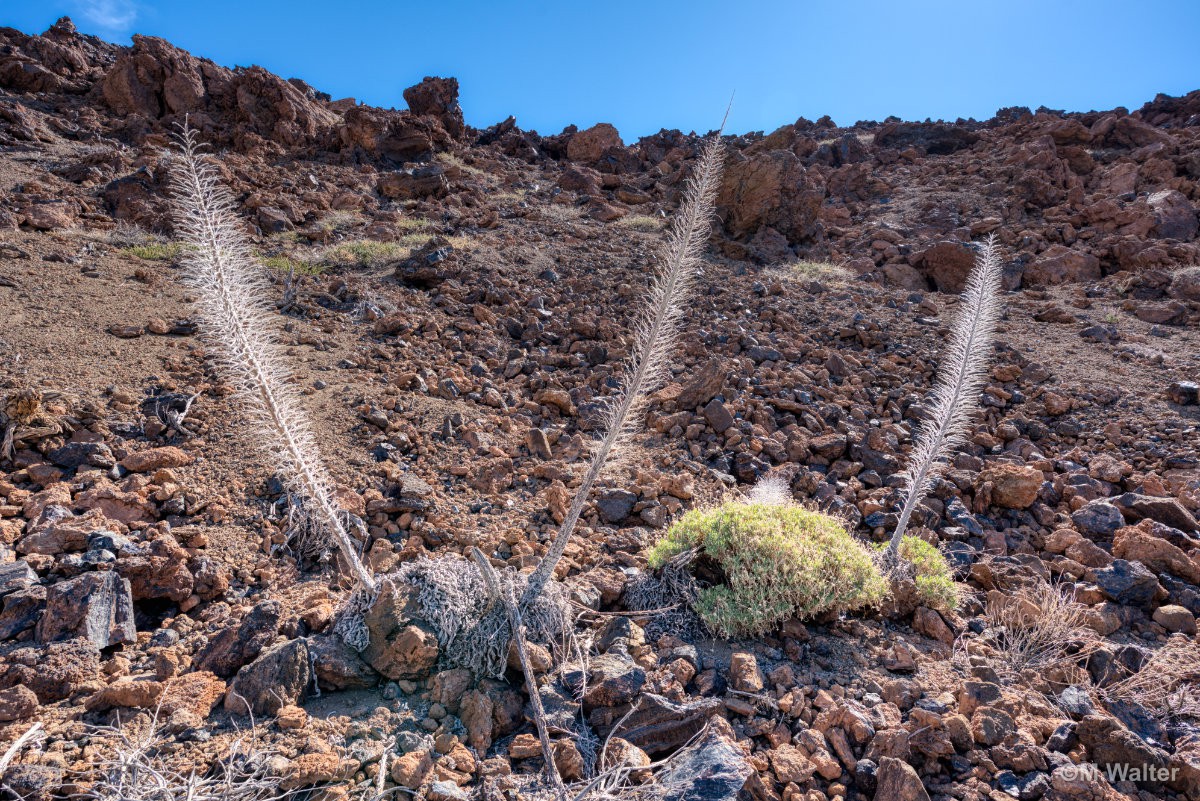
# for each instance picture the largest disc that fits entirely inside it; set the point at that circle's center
(712, 769)
(279, 677)
(1167, 511)
(238, 644)
(1129, 583)
(1098, 518)
(612, 679)
(615, 505)
(658, 724)
(429, 266)
(95, 606)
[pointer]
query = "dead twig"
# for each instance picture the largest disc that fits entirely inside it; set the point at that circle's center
(16, 747)
(518, 631)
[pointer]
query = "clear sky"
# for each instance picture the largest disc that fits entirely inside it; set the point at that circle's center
(644, 65)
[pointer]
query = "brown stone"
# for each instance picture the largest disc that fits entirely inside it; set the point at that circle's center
(1013, 486)
(897, 781)
(311, 769)
(1061, 265)
(17, 703)
(152, 459)
(587, 146)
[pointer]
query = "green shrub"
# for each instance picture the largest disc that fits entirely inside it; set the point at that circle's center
(154, 251)
(935, 581)
(283, 264)
(365, 253)
(771, 562)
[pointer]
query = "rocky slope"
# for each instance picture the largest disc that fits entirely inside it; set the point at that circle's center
(456, 302)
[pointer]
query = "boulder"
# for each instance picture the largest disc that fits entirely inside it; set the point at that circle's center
(770, 189)
(1139, 543)
(437, 98)
(947, 264)
(1128, 583)
(1013, 486)
(95, 606)
(1098, 518)
(897, 781)
(426, 180)
(430, 265)
(159, 570)
(152, 459)
(1175, 618)
(17, 703)
(1110, 743)
(22, 609)
(240, 643)
(589, 145)
(1168, 511)
(402, 645)
(55, 671)
(714, 768)
(126, 693)
(338, 666)
(1174, 215)
(391, 136)
(658, 724)
(279, 677)
(612, 679)
(1060, 265)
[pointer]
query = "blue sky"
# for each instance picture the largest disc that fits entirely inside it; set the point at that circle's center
(649, 65)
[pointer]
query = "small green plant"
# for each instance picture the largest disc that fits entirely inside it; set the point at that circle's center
(283, 264)
(934, 579)
(154, 251)
(366, 252)
(643, 222)
(817, 271)
(768, 562)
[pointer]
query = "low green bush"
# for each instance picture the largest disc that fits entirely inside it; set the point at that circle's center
(154, 251)
(932, 574)
(766, 563)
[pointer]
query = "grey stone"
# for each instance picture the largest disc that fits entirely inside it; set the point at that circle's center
(279, 677)
(712, 769)
(95, 606)
(1098, 518)
(1129, 583)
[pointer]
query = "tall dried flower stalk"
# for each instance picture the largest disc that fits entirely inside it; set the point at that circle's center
(232, 297)
(656, 330)
(954, 400)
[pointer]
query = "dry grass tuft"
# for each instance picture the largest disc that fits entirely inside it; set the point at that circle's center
(139, 767)
(1039, 627)
(1168, 685)
(643, 222)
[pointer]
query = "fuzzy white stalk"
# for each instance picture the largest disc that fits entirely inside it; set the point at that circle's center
(954, 400)
(231, 295)
(656, 330)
